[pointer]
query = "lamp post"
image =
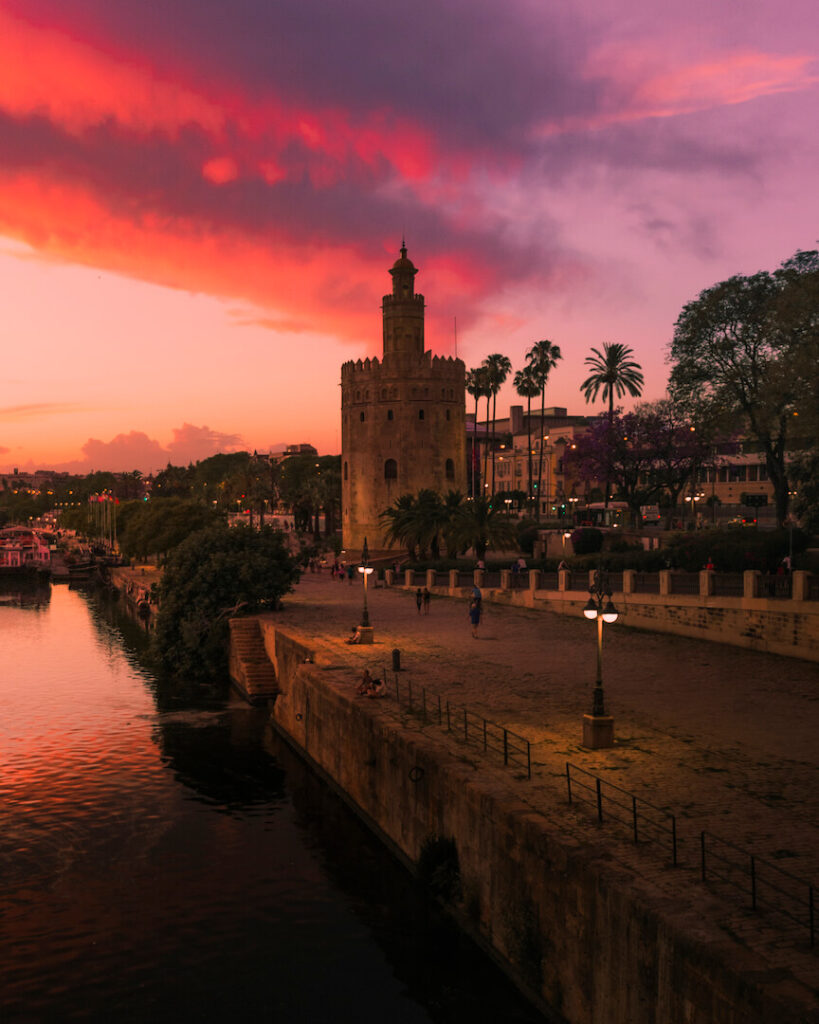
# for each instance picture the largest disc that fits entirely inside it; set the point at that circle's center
(365, 630)
(598, 727)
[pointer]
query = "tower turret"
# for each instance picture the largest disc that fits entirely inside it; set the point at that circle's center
(403, 311)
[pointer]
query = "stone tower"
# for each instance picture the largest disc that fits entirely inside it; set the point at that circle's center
(402, 418)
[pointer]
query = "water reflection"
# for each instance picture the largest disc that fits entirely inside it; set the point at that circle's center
(167, 861)
(24, 591)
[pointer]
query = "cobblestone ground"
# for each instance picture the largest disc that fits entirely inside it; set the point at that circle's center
(724, 738)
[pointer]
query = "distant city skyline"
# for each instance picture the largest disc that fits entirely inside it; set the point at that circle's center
(199, 203)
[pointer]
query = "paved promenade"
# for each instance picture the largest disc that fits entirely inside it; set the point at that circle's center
(725, 738)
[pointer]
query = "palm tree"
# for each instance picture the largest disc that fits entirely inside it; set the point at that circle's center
(398, 523)
(543, 356)
(498, 368)
(476, 385)
(527, 387)
(479, 526)
(613, 370)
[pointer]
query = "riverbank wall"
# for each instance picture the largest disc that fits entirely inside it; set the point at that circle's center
(136, 586)
(587, 938)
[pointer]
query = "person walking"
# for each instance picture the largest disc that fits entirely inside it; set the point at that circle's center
(419, 599)
(475, 616)
(427, 597)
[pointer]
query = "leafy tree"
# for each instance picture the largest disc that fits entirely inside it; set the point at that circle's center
(174, 482)
(543, 356)
(476, 385)
(498, 367)
(158, 526)
(214, 574)
(309, 485)
(680, 449)
(623, 451)
(480, 526)
(748, 349)
(528, 387)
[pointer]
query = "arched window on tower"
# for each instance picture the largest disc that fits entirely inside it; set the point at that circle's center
(389, 414)
(345, 470)
(447, 414)
(390, 470)
(450, 469)
(361, 416)
(420, 414)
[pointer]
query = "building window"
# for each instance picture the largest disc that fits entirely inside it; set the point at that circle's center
(390, 470)
(389, 414)
(361, 414)
(345, 470)
(450, 469)
(447, 414)
(420, 414)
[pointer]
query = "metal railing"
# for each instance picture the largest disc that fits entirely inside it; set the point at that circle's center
(491, 579)
(813, 588)
(776, 586)
(646, 822)
(578, 581)
(646, 583)
(728, 584)
(470, 727)
(615, 580)
(685, 583)
(549, 581)
(768, 886)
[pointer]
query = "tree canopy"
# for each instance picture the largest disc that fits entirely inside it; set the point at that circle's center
(214, 574)
(748, 348)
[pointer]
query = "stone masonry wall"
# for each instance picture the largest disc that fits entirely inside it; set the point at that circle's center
(579, 933)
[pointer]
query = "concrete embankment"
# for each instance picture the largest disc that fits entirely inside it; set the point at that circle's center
(135, 587)
(592, 929)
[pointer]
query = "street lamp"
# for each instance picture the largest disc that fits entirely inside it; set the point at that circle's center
(365, 569)
(598, 727)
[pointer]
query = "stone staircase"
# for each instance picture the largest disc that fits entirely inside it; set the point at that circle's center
(250, 668)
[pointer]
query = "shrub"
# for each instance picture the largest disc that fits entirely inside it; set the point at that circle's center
(587, 540)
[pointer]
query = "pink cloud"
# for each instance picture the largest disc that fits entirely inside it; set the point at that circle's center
(637, 86)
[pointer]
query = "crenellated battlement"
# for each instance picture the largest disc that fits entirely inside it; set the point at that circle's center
(428, 367)
(400, 300)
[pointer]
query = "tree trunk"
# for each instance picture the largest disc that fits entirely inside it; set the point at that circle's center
(485, 451)
(540, 451)
(529, 449)
(494, 409)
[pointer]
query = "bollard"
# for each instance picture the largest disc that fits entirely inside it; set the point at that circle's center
(396, 660)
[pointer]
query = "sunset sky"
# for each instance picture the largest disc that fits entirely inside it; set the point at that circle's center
(200, 200)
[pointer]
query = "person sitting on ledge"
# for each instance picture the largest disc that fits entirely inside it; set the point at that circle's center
(365, 684)
(355, 636)
(377, 689)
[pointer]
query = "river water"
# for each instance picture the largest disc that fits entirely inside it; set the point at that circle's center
(163, 857)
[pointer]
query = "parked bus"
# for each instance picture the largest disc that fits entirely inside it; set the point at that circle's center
(597, 514)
